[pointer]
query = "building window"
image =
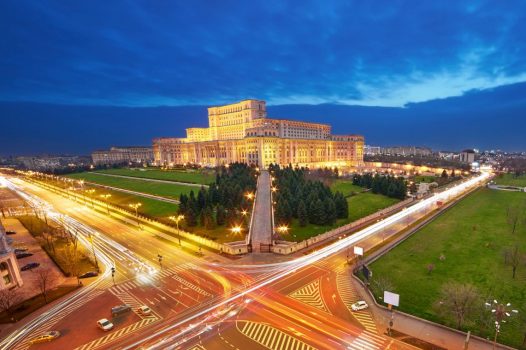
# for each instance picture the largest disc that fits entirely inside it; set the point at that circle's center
(3, 266)
(7, 279)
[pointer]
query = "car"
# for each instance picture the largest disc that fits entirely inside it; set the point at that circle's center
(20, 250)
(144, 310)
(120, 309)
(23, 255)
(46, 337)
(30, 266)
(359, 305)
(10, 232)
(104, 324)
(89, 274)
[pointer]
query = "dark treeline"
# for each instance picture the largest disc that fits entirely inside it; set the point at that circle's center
(390, 186)
(223, 201)
(309, 201)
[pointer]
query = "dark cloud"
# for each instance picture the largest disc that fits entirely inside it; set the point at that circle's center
(170, 53)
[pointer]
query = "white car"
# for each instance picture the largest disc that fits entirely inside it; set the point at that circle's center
(104, 324)
(359, 305)
(144, 310)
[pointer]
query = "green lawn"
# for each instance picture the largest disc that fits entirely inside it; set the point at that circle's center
(472, 236)
(511, 180)
(360, 206)
(204, 177)
(159, 189)
(346, 187)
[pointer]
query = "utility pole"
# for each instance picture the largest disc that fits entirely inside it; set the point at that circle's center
(113, 275)
(160, 258)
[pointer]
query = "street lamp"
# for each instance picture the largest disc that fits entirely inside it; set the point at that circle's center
(283, 229)
(90, 237)
(90, 192)
(274, 188)
(236, 229)
(106, 196)
(136, 206)
(244, 212)
(250, 195)
(176, 219)
(501, 311)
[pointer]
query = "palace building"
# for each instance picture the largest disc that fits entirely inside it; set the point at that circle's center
(241, 132)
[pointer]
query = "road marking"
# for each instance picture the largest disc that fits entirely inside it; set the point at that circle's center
(310, 294)
(349, 297)
(270, 337)
(190, 285)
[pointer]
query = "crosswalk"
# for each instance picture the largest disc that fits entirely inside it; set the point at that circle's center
(349, 297)
(310, 294)
(270, 337)
(57, 317)
(117, 334)
(367, 341)
(191, 286)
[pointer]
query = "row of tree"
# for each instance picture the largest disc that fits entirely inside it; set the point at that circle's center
(309, 201)
(388, 185)
(224, 201)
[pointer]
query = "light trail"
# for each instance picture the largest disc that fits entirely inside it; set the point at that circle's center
(293, 265)
(107, 249)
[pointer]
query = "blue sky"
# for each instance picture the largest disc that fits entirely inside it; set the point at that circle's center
(178, 53)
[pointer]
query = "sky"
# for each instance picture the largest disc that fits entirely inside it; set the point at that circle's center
(74, 67)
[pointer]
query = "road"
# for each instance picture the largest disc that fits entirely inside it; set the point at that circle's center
(261, 230)
(198, 304)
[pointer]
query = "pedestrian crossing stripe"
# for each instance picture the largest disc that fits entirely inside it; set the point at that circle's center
(196, 347)
(270, 337)
(367, 341)
(349, 297)
(117, 334)
(191, 286)
(310, 295)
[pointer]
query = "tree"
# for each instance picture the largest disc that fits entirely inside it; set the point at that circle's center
(444, 174)
(8, 299)
(302, 214)
(220, 215)
(45, 278)
(209, 218)
(513, 257)
(460, 301)
(191, 217)
(319, 216)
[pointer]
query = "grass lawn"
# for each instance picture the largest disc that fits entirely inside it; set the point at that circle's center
(472, 236)
(423, 178)
(159, 189)
(511, 180)
(360, 206)
(345, 187)
(203, 177)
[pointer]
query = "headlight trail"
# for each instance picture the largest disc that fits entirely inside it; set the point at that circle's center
(293, 265)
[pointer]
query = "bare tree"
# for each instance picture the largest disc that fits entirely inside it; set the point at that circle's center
(513, 257)
(459, 300)
(430, 268)
(70, 256)
(513, 217)
(380, 284)
(8, 299)
(45, 279)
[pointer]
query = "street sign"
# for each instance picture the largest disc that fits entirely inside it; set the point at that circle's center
(358, 250)
(391, 298)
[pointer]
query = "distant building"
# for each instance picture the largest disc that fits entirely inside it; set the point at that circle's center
(372, 150)
(9, 269)
(241, 132)
(467, 156)
(49, 162)
(406, 151)
(119, 155)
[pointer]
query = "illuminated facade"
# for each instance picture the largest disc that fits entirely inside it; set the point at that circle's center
(241, 132)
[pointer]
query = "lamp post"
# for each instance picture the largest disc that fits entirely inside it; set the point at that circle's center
(90, 237)
(501, 312)
(250, 195)
(91, 191)
(176, 219)
(236, 230)
(283, 229)
(160, 258)
(106, 196)
(136, 206)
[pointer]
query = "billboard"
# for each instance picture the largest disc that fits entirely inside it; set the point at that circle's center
(358, 250)
(391, 298)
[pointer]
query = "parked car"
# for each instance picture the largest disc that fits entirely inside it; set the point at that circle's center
(120, 309)
(23, 255)
(359, 305)
(46, 337)
(89, 274)
(10, 232)
(144, 310)
(104, 324)
(20, 250)
(30, 266)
